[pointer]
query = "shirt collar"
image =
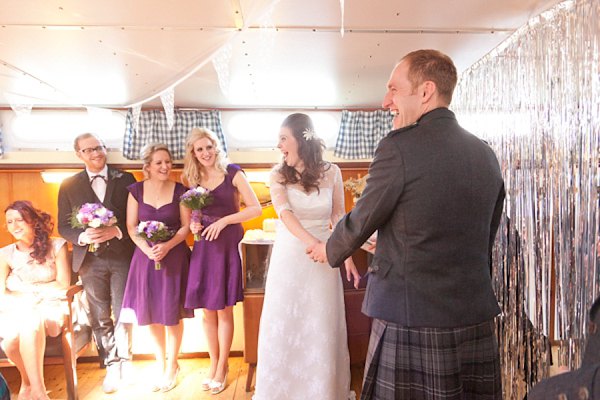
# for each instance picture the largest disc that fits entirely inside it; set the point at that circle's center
(103, 173)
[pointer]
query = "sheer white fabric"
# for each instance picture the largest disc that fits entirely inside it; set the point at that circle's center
(302, 345)
(331, 181)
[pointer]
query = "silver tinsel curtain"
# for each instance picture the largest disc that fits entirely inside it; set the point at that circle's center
(536, 100)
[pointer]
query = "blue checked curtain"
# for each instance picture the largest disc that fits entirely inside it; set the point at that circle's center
(360, 133)
(153, 127)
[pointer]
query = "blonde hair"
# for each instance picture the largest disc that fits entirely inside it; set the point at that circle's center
(147, 152)
(193, 172)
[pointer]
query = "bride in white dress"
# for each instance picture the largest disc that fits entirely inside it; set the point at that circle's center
(302, 343)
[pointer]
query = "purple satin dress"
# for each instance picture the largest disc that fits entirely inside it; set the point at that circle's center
(156, 296)
(215, 278)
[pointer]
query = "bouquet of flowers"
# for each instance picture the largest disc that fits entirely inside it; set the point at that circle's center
(195, 199)
(154, 232)
(92, 215)
(356, 185)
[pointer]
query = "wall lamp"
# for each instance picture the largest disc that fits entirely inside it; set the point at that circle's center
(56, 176)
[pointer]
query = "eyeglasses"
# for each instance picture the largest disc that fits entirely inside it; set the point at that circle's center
(90, 150)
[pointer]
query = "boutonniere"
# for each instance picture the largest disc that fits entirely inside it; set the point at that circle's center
(115, 174)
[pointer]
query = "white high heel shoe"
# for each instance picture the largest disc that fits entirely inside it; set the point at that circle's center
(206, 382)
(218, 387)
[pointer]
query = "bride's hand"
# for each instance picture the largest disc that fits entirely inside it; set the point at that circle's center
(317, 252)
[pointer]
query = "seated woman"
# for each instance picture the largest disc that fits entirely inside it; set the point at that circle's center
(33, 272)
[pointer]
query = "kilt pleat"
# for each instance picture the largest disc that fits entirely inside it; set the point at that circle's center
(432, 363)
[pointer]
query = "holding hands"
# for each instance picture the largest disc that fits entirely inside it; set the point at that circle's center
(317, 252)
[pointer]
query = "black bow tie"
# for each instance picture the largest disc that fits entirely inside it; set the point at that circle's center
(98, 176)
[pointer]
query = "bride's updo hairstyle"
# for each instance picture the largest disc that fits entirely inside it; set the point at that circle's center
(310, 151)
(192, 169)
(42, 225)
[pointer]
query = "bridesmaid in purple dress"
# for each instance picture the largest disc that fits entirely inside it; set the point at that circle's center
(215, 279)
(155, 297)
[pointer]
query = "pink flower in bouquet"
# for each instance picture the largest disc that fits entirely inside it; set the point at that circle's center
(195, 199)
(154, 232)
(92, 215)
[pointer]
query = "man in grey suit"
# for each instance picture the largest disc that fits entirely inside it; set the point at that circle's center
(435, 195)
(103, 272)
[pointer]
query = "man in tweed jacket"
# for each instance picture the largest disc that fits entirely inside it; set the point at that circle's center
(435, 195)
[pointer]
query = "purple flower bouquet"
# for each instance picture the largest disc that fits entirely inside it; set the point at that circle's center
(154, 232)
(92, 215)
(195, 199)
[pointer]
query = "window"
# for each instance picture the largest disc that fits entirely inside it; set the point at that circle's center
(259, 129)
(55, 130)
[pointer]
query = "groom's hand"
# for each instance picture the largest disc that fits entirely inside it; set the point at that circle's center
(101, 235)
(317, 252)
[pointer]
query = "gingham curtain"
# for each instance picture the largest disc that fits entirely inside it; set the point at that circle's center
(360, 133)
(1, 146)
(153, 127)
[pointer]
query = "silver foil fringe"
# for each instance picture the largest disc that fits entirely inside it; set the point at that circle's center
(536, 100)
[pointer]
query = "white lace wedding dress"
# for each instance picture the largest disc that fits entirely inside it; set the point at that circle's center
(302, 343)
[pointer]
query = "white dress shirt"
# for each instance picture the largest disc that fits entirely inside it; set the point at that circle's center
(99, 184)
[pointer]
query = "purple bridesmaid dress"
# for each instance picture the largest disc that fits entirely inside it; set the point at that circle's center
(157, 296)
(215, 278)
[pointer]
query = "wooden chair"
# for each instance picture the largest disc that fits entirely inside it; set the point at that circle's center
(66, 347)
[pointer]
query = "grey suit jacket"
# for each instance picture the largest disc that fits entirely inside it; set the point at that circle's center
(435, 194)
(76, 191)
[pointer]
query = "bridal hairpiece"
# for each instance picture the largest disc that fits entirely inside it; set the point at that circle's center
(309, 134)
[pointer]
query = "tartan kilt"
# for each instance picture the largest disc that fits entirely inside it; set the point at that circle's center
(432, 363)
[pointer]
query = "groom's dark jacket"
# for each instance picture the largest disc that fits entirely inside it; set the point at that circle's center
(435, 195)
(76, 191)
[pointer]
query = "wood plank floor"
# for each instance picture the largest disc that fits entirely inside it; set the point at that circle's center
(191, 375)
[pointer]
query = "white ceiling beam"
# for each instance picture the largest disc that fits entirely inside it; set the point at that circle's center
(237, 14)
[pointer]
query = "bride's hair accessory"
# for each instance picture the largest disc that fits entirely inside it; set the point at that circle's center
(309, 134)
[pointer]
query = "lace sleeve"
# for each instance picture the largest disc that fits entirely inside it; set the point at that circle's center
(278, 193)
(338, 207)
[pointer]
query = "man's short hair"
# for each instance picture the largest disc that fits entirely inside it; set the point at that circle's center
(85, 136)
(435, 66)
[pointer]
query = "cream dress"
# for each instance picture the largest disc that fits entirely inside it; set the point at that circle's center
(23, 270)
(302, 343)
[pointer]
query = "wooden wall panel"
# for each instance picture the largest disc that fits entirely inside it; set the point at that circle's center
(351, 173)
(5, 200)
(28, 185)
